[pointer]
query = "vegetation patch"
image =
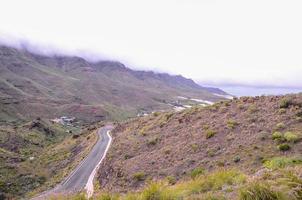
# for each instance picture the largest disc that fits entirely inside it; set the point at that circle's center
(197, 172)
(291, 137)
(139, 176)
(258, 191)
(210, 133)
(231, 124)
(284, 147)
(282, 162)
(285, 102)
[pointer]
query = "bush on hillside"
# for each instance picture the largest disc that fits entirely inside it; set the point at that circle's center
(231, 124)
(283, 147)
(281, 162)
(196, 172)
(277, 136)
(139, 176)
(258, 191)
(285, 102)
(280, 126)
(252, 109)
(291, 137)
(210, 133)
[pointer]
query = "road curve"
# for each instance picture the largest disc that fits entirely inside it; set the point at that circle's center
(82, 177)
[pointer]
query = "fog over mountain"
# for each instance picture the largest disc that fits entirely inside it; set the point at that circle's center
(217, 43)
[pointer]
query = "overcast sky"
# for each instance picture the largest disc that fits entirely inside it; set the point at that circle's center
(249, 42)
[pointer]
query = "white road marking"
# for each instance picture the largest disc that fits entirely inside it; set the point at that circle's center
(89, 185)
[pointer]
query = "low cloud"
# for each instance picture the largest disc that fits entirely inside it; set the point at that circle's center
(213, 42)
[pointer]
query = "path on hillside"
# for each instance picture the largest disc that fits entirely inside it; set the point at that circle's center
(82, 177)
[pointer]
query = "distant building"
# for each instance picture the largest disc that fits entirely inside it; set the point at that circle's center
(63, 120)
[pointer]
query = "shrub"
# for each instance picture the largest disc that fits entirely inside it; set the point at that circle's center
(210, 133)
(283, 147)
(231, 124)
(280, 126)
(277, 136)
(240, 106)
(155, 114)
(257, 191)
(237, 159)
(216, 181)
(194, 147)
(108, 197)
(139, 176)
(127, 156)
(263, 135)
(167, 151)
(157, 191)
(291, 137)
(285, 103)
(211, 153)
(282, 111)
(152, 141)
(196, 172)
(152, 192)
(299, 119)
(206, 127)
(171, 180)
(252, 109)
(143, 132)
(213, 197)
(281, 162)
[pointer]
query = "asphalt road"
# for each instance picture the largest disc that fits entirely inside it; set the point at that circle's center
(83, 175)
(78, 179)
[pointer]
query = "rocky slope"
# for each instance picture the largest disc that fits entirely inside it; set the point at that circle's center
(241, 133)
(40, 86)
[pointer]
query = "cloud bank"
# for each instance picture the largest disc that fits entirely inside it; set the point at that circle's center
(235, 42)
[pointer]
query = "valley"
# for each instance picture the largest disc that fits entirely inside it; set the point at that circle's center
(52, 106)
(171, 138)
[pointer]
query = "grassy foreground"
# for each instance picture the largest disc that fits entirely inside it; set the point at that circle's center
(280, 182)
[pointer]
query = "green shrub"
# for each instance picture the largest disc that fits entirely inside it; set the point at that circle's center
(157, 191)
(153, 141)
(216, 181)
(167, 151)
(291, 137)
(196, 172)
(152, 192)
(281, 162)
(283, 147)
(139, 176)
(258, 191)
(205, 127)
(171, 180)
(194, 147)
(263, 135)
(213, 197)
(210, 133)
(282, 111)
(252, 109)
(285, 102)
(231, 124)
(240, 106)
(108, 197)
(277, 136)
(143, 132)
(155, 114)
(237, 159)
(280, 126)
(299, 119)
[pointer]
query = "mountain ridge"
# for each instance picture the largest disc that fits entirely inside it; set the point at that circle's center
(108, 88)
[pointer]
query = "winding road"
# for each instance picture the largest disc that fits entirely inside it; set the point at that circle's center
(82, 177)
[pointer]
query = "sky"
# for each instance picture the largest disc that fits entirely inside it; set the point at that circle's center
(215, 42)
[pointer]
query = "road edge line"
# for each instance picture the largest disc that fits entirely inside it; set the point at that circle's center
(89, 187)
